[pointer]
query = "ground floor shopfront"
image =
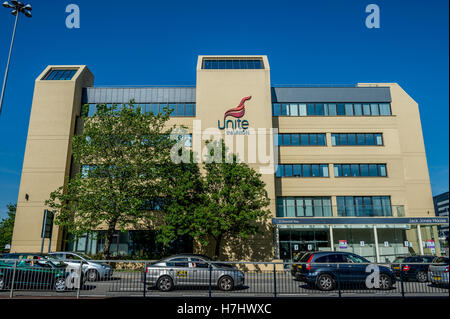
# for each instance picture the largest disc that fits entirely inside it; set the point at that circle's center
(377, 239)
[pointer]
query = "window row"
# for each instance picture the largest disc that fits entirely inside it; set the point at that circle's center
(232, 64)
(304, 207)
(175, 109)
(59, 75)
(347, 206)
(360, 170)
(302, 170)
(304, 139)
(331, 109)
(364, 206)
(357, 139)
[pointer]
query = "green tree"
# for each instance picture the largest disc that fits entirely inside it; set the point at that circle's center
(118, 155)
(7, 226)
(234, 200)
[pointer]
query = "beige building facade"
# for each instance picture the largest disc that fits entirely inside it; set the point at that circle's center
(345, 167)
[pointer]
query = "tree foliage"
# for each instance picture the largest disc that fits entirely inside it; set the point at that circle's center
(125, 151)
(7, 226)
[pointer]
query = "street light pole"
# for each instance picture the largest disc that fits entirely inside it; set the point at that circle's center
(18, 8)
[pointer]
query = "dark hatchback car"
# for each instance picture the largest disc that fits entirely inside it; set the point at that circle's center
(32, 271)
(324, 269)
(412, 268)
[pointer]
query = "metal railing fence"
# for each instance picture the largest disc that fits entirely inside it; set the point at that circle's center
(119, 278)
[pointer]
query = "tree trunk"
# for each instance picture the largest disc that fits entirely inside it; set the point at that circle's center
(108, 240)
(217, 249)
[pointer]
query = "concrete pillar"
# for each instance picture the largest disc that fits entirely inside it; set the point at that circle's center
(419, 236)
(331, 238)
(377, 249)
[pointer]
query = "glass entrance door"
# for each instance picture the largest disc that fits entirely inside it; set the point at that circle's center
(294, 242)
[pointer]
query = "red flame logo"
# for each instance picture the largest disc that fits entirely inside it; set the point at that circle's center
(238, 111)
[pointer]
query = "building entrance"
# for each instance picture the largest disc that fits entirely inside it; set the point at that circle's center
(294, 242)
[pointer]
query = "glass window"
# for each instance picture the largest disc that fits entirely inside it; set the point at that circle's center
(295, 139)
(286, 139)
(364, 169)
(342, 139)
(308, 207)
(293, 110)
(340, 109)
(337, 170)
(322, 139)
(279, 139)
(366, 109)
(313, 139)
(284, 109)
(345, 170)
(317, 203)
(154, 108)
(385, 109)
(319, 109)
(355, 170)
(382, 170)
(221, 64)
(349, 206)
(290, 206)
(214, 64)
(242, 64)
(358, 109)
(58, 75)
(324, 170)
(178, 262)
(332, 110)
(373, 171)
(297, 170)
(229, 64)
(236, 64)
(374, 109)
(369, 139)
(304, 139)
(378, 139)
(351, 139)
(306, 170)
(279, 172)
(349, 109)
(361, 139)
(300, 207)
(180, 110)
(310, 109)
(334, 137)
(287, 170)
(276, 109)
(302, 109)
(315, 169)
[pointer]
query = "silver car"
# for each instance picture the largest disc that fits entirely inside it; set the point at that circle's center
(92, 270)
(438, 271)
(192, 270)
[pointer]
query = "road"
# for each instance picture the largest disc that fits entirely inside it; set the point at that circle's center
(128, 284)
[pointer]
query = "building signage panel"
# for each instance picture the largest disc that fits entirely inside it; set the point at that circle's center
(361, 220)
(343, 244)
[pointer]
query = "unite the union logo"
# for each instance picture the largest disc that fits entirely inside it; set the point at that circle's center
(236, 112)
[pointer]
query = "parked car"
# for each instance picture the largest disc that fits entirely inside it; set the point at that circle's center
(438, 271)
(191, 270)
(32, 270)
(323, 269)
(92, 270)
(295, 264)
(412, 268)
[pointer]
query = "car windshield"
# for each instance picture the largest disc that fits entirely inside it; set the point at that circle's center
(399, 259)
(54, 260)
(84, 256)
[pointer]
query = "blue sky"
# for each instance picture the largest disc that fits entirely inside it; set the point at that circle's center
(157, 43)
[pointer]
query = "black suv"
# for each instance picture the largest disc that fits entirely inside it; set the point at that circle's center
(324, 269)
(414, 268)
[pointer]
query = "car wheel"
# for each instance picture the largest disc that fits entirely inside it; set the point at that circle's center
(165, 283)
(385, 282)
(226, 283)
(325, 282)
(60, 284)
(422, 276)
(92, 275)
